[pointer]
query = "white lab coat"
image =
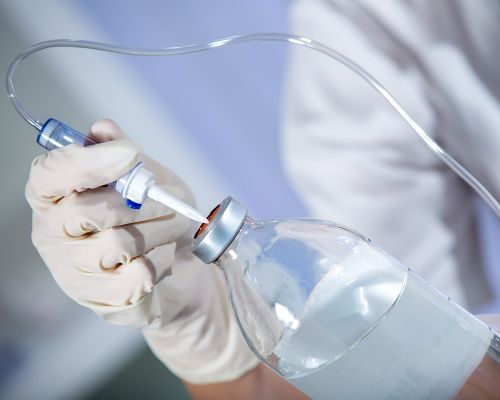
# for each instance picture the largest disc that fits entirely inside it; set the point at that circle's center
(353, 160)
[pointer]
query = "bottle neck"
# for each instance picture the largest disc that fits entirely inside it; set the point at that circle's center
(244, 229)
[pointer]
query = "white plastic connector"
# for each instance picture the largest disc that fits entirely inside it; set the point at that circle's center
(157, 193)
(134, 186)
(140, 182)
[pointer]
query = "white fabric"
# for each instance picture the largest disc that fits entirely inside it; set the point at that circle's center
(133, 267)
(353, 160)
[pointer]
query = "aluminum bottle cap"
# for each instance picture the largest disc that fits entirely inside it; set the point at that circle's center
(225, 222)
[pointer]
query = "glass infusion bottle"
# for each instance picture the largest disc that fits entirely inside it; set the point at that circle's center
(336, 316)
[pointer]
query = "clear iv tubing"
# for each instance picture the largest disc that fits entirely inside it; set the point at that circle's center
(232, 40)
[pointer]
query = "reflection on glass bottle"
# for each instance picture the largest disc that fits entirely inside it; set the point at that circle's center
(337, 316)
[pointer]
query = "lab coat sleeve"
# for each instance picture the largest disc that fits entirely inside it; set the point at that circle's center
(471, 131)
(353, 160)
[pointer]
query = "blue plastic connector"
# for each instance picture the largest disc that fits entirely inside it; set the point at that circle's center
(133, 204)
(54, 134)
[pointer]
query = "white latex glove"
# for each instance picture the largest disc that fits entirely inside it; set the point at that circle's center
(133, 267)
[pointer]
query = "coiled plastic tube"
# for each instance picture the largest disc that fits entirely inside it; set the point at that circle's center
(275, 37)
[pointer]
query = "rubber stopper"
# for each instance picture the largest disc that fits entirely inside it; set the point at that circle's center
(210, 217)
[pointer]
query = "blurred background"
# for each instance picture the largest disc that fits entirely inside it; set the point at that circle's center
(213, 117)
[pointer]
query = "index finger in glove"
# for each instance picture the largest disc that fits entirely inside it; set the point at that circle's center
(110, 248)
(73, 168)
(105, 130)
(123, 286)
(100, 209)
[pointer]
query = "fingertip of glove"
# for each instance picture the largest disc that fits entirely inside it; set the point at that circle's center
(111, 160)
(123, 149)
(105, 129)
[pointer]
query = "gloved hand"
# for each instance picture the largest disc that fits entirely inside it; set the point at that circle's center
(133, 267)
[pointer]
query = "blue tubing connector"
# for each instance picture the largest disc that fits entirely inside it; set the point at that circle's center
(54, 134)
